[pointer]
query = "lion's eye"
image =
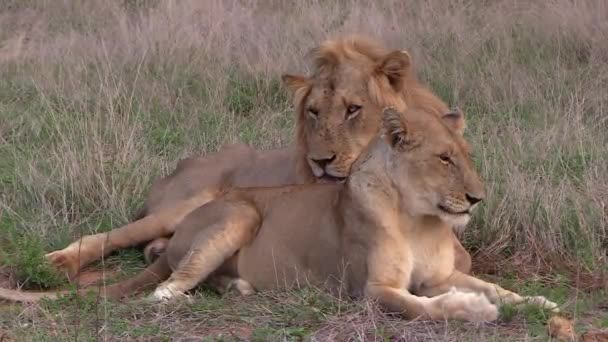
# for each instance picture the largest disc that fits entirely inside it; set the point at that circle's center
(313, 112)
(351, 111)
(445, 158)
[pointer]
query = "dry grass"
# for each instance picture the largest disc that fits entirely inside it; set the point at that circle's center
(99, 98)
(268, 316)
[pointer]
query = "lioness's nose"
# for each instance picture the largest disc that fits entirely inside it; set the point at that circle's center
(473, 198)
(323, 162)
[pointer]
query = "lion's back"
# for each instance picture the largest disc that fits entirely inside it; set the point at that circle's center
(233, 166)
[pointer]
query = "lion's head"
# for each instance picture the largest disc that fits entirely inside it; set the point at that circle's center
(339, 107)
(430, 165)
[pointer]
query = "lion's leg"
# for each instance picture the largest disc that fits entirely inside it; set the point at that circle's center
(213, 244)
(493, 292)
(92, 247)
(155, 248)
(451, 305)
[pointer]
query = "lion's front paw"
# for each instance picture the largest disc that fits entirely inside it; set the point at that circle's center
(466, 306)
(64, 260)
(154, 249)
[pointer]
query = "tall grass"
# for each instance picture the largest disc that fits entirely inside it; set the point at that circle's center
(97, 98)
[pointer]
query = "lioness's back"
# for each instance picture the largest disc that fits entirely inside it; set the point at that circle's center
(300, 226)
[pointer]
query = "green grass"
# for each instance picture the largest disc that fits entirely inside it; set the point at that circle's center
(584, 307)
(277, 316)
(24, 253)
(86, 127)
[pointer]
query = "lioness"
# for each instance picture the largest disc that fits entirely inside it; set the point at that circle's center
(338, 113)
(385, 234)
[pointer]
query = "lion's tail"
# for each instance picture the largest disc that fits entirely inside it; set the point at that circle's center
(144, 280)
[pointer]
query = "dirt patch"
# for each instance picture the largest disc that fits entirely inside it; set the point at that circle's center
(94, 276)
(595, 335)
(7, 279)
(240, 332)
(5, 337)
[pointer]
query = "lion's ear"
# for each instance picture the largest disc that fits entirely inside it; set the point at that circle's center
(454, 119)
(295, 83)
(396, 131)
(395, 66)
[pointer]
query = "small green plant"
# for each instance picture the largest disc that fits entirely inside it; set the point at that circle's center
(23, 252)
(507, 312)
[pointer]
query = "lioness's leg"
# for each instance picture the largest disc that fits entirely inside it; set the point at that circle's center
(92, 247)
(462, 258)
(450, 305)
(494, 292)
(213, 244)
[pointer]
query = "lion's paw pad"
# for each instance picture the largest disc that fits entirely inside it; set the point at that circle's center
(58, 258)
(65, 261)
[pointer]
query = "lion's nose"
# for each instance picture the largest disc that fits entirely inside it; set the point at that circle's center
(473, 198)
(323, 162)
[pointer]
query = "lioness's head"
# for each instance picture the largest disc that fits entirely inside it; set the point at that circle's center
(339, 107)
(430, 165)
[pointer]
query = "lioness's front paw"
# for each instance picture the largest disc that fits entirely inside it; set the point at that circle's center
(242, 286)
(542, 302)
(165, 293)
(467, 306)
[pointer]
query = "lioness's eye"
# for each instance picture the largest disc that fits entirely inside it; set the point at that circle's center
(445, 158)
(351, 111)
(313, 112)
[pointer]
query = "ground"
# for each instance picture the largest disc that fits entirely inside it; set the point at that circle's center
(99, 98)
(299, 314)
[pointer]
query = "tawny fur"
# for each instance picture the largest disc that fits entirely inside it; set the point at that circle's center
(347, 71)
(385, 234)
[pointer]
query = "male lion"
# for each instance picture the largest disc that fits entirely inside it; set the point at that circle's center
(338, 113)
(385, 234)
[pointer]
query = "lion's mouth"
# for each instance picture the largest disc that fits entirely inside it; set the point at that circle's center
(327, 178)
(452, 212)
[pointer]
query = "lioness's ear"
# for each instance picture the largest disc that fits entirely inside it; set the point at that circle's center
(396, 130)
(455, 120)
(395, 66)
(295, 83)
